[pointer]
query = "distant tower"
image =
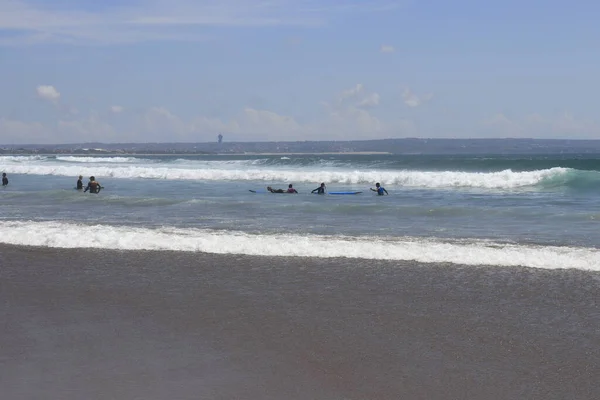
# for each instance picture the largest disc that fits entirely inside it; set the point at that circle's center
(220, 138)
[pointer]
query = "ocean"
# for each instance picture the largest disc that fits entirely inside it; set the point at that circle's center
(538, 211)
(477, 277)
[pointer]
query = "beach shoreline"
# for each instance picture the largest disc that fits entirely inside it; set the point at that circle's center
(155, 325)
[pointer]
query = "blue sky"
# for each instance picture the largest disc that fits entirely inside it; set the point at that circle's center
(184, 70)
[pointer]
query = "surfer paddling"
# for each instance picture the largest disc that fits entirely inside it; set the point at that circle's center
(379, 189)
(289, 190)
(320, 189)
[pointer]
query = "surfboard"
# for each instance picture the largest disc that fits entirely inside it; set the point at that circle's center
(344, 192)
(265, 191)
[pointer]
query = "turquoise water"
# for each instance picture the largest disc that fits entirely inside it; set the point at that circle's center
(470, 209)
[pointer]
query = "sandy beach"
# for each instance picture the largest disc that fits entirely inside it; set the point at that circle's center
(171, 325)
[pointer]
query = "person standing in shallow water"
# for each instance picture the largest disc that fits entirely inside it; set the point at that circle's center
(80, 183)
(4, 179)
(93, 186)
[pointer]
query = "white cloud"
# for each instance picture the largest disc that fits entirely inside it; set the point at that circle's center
(353, 123)
(271, 123)
(92, 128)
(372, 100)
(159, 124)
(116, 109)
(386, 48)
(359, 97)
(48, 92)
(348, 116)
(51, 94)
(348, 93)
(152, 20)
(339, 122)
(412, 100)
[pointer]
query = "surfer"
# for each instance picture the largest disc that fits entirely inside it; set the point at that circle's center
(320, 189)
(379, 189)
(289, 190)
(4, 179)
(80, 183)
(93, 186)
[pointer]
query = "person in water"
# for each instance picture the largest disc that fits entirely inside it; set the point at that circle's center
(320, 189)
(4, 179)
(379, 189)
(80, 183)
(270, 189)
(93, 186)
(289, 190)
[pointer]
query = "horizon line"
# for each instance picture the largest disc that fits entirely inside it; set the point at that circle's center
(301, 141)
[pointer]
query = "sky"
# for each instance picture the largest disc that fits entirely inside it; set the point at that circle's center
(74, 71)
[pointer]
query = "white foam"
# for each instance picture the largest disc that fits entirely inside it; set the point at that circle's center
(420, 179)
(20, 159)
(220, 163)
(101, 159)
(70, 235)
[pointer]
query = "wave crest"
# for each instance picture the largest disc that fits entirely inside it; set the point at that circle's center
(100, 159)
(506, 179)
(466, 252)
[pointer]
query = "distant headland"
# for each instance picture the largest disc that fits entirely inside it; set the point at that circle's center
(384, 146)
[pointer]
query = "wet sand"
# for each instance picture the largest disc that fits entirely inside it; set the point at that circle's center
(87, 324)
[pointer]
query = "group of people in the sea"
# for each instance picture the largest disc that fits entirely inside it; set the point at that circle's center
(93, 185)
(321, 189)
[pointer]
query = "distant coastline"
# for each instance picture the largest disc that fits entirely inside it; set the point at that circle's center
(406, 146)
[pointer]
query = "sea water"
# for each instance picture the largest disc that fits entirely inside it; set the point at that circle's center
(538, 211)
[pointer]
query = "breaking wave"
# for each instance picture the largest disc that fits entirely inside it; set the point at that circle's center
(466, 252)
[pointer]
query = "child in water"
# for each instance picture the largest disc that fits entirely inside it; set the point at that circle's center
(4, 179)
